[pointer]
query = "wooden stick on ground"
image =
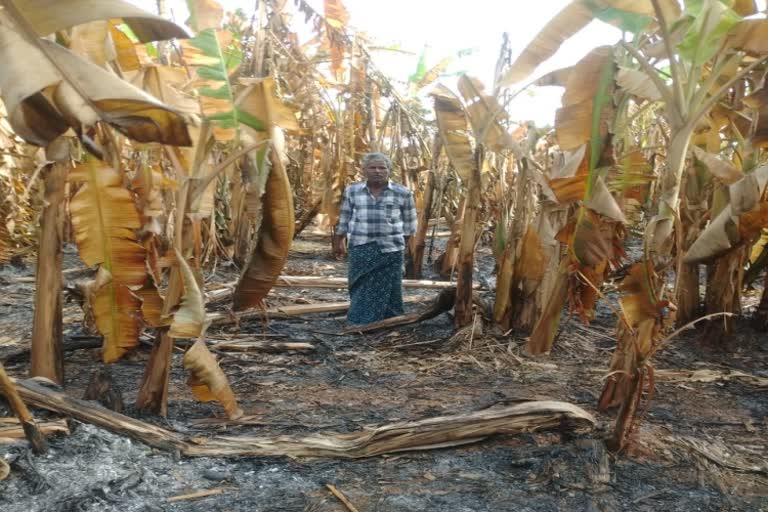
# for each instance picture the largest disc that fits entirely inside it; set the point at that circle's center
(5, 469)
(10, 429)
(225, 317)
(263, 346)
(225, 290)
(13, 355)
(33, 434)
(342, 498)
(196, 495)
(431, 433)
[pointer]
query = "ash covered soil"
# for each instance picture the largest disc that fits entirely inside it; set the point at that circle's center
(701, 445)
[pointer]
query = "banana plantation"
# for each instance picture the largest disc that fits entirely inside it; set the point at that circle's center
(585, 322)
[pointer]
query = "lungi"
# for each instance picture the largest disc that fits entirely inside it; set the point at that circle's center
(375, 284)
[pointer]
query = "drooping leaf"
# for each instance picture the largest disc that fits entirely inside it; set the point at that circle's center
(627, 14)
(261, 102)
(485, 114)
(453, 127)
(741, 221)
(126, 55)
(151, 305)
(591, 240)
(336, 19)
(719, 168)
(60, 90)
(558, 77)
(116, 314)
(637, 300)
(49, 16)
(602, 201)
(587, 92)
(431, 74)
(638, 84)
(545, 330)
(533, 260)
(169, 85)
(104, 219)
(566, 23)
(273, 242)
(189, 321)
(208, 381)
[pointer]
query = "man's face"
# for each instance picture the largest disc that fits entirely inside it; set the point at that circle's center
(376, 172)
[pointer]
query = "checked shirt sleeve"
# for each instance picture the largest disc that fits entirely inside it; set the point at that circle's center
(409, 215)
(342, 228)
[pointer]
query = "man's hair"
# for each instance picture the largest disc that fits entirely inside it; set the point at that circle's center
(376, 157)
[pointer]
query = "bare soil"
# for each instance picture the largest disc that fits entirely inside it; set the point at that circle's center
(351, 382)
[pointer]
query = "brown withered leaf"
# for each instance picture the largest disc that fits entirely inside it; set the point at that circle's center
(569, 21)
(638, 84)
(485, 114)
(603, 202)
(569, 190)
(557, 78)
(453, 127)
(533, 260)
(49, 16)
(151, 305)
(61, 90)
(637, 300)
(274, 240)
(115, 311)
(739, 222)
(750, 36)
(275, 234)
(208, 381)
(260, 99)
(189, 321)
(719, 168)
(592, 239)
(543, 335)
(105, 217)
(336, 17)
(573, 121)
(126, 55)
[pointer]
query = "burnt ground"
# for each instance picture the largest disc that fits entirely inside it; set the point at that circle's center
(353, 381)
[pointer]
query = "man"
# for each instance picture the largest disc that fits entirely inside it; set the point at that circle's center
(379, 218)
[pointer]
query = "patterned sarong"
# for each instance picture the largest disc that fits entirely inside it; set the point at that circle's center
(375, 284)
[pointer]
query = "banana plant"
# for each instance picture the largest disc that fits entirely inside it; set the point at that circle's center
(709, 49)
(48, 89)
(592, 234)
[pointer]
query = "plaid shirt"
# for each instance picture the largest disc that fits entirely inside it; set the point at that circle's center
(385, 220)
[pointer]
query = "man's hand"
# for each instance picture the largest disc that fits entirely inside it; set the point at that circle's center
(339, 247)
